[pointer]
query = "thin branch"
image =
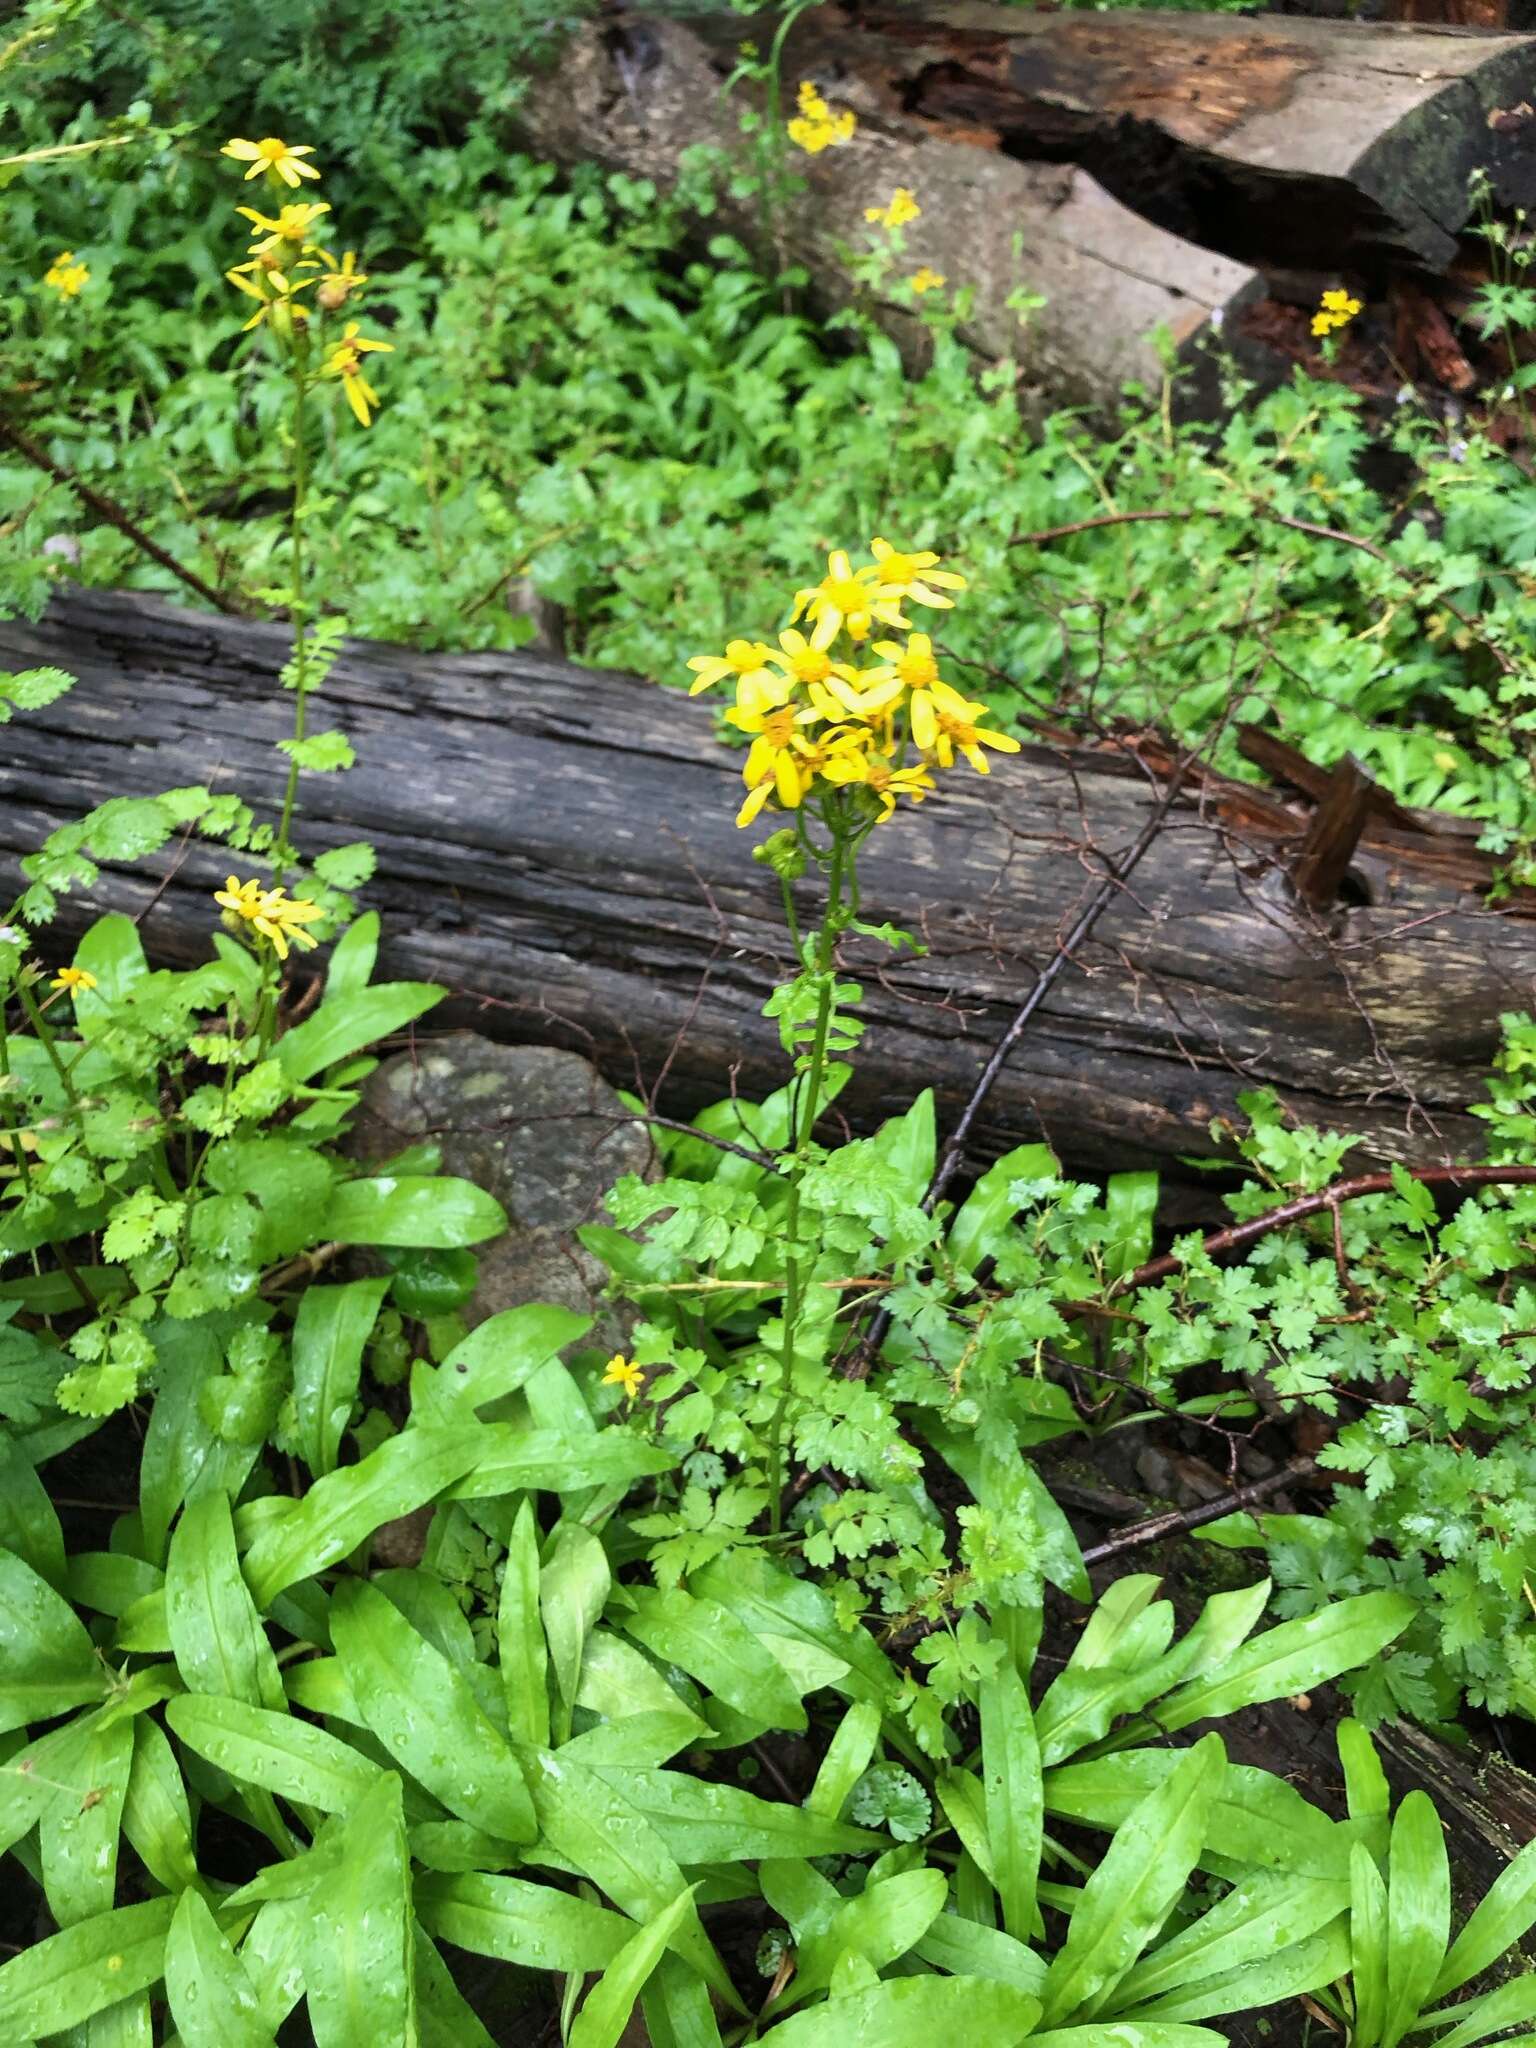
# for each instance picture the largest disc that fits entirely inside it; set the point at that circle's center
(1180, 1521)
(113, 513)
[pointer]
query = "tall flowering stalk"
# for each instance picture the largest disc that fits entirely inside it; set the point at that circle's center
(838, 743)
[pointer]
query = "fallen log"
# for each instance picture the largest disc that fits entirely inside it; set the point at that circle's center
(556, 846)
(1302, 143)
(635, 95)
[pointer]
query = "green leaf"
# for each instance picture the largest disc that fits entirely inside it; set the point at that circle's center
(885, 1921)
(513, 1459)
(1418, 1912)
(413, 1209)
(443, 2019)
(1310, 1964)
(678, 2012)
(988, 1209)
(342, 1509)
(1255, 1921)
(846, 1760)
(359, 1944)
(1506, 2006)
(1130, 1205)
(346, 1023)
(912, 2010)
(517, 1922)
(212, 2000)
(771, 1602)
(1010, 1756)
(701, 1822)
(182, 1459)
(710, 1644)
(352, 958)
(498, 1357)
(60, 1981)
(276, 1752)
(28, 1525)
(157, 1816)
(1294, 1658)
(965, 1948)
(425, 1712)
(330, 1334)
(48, 1663)
(77, 1834)
(1506, 1912)
(1368, 1943)
(593, 1829)
(216, 1634)
(612, 1999)
(573, 1587)
(1130, 1894)
(519, 1636)
(1129, 2034)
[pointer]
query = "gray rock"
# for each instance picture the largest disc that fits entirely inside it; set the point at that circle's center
(539, 1129)
(524, 600)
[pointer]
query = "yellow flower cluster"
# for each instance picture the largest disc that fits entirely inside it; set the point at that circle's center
(820, 724)
(269, 912)
(71, 980)
(926, 280)
(65, 276)
(816, 127)
(1337, 310)
(284, 261)
(903, 208)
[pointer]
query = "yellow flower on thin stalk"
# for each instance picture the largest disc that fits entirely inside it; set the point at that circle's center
(961, 732)
(747, 661)
(816, 127)
(281, 161)
(915, 669)
(917, 576)
(850, 599)
(346, 362)
(926, 280)
(901, 209)
(65, 276)
(272, 289)
(271, 913)
(72, 980)
(623, 1372)
(288, 233)
(1337, 309)
(873, 767)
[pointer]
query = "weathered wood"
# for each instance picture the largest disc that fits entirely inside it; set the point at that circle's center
(556, 845)
(634, 94)
(1284, 143)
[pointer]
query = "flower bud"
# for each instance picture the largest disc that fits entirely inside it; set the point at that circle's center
(782, 852)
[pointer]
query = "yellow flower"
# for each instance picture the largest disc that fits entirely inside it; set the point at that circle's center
(816, 127)
(902, 208)
(65, 276)
(959, 732)
(1336, 310)
(283, 162)
(848, 598)
(743, 659)
(345, 362)
(284, 239)
(872, 767)
(340, 282)
(913, 575)
(914, 669)
(73, 979)
(272, 289)
(623, 1372)
(773, 762)
(926, 280)
(271, 913)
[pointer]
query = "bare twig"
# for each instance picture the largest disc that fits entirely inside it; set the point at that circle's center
(1180, 1521)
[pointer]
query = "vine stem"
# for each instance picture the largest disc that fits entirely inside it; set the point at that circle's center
(805, 1124)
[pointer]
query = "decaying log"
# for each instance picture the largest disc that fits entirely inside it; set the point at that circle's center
(1286, 143)
(556, 845)
(635, 95)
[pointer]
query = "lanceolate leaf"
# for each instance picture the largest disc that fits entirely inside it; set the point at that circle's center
(212, 2000)
(711, 1645)
(443, 2020)
(708, 1823)
(61, 1981)
(1010, 1757)
(77, 1834)
(346, 1022)
(277, 1752)
(1506, 1912)
(359, 1946)
(612, 1999)
(330, 1333)
(519, 1635)
(910, 2012)
(516, 1922)
(1293, 1658)
(1418, 1912)
(48, 1663)
(216, 1634)
(424, 1711)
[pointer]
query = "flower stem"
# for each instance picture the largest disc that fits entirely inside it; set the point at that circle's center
(805, 1123)
(39, 1024)
(282, 852)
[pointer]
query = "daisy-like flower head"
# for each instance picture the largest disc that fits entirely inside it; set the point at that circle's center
(959, 730)
(914, 575)
(272, 288)
(269, 912)
(847, 599)
(72, 980)
(926, 280)
(872, 766)
(1337, 309)
(747, 662)
(288, 234)
(816, 127)
(912, 668)
(281, 161)
(65, 276)
(623, 1372)
(346, 362)
(901, 209)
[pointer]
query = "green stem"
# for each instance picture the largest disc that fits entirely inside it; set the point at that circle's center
(39, 1024)
(805, 1124)
(282, 854)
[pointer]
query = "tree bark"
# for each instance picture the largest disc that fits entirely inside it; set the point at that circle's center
(556, 846)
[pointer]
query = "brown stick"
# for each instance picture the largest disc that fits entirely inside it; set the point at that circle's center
(1179, 1522)
(113, 513)
(1237, 1235)
(1333, 835)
